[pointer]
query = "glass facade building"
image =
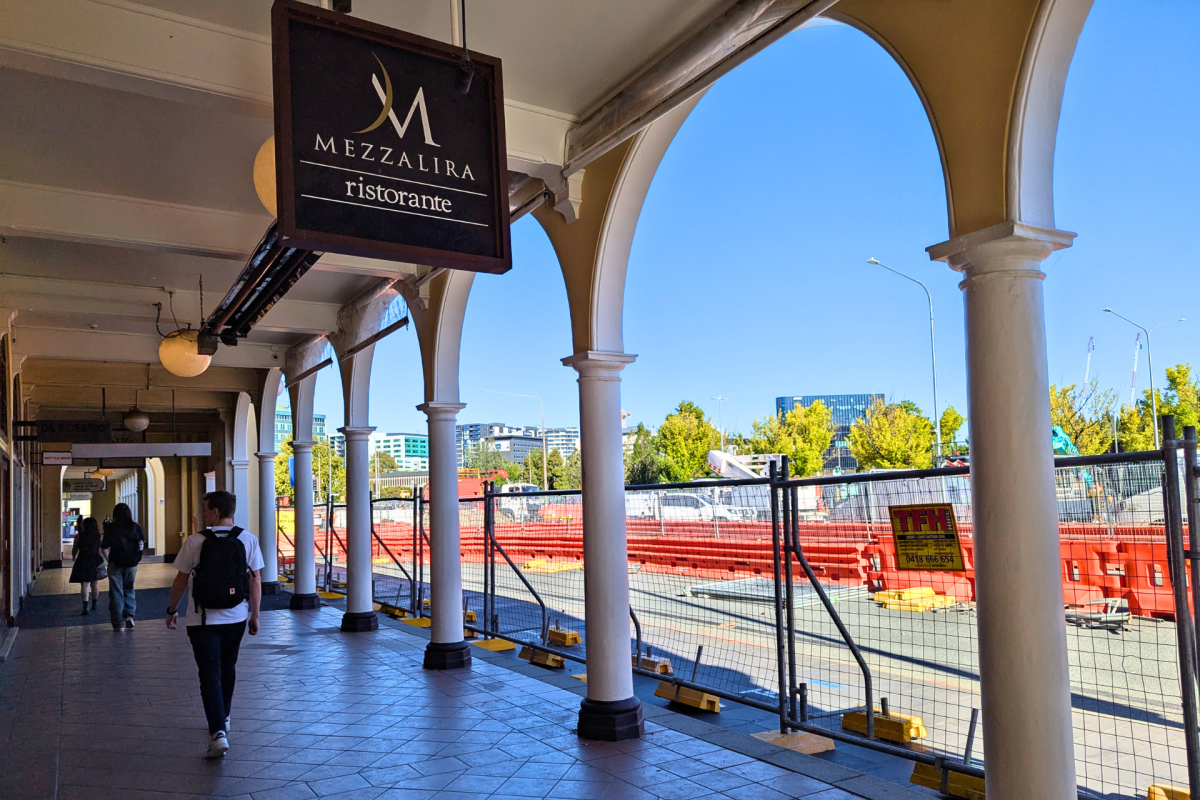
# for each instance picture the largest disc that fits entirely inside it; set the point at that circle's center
(846, 410)
(283, 427)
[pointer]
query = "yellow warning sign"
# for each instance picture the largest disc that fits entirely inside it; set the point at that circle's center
(926, 537)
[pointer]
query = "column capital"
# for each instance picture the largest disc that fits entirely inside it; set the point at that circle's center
(268, 455)
(356, 433)
(598, 363)
(441, 412)
(302, 445)
(236, 463)
(1007, 247)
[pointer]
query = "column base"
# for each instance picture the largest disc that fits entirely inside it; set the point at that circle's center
(272, 587)
(359, 621)
(455, 655)
(304, 602)
(611, 721)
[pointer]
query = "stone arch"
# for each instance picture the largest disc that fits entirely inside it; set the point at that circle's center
(438, 319)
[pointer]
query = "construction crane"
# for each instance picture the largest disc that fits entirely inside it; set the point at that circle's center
(1137, 349)
(1087, 365)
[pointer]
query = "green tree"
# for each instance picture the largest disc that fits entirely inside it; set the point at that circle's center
(573, 470)
(559, 479)
(1181, 398)
(1084, 413)
(683, 442)
(383, 463)
(892, 436)
(952, 422)
(803, 435)
(321, 472)
(641, 461)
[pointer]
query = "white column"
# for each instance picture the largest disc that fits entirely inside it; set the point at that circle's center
(304, 587)
(611, 712)
(267, 529)
(360, 615)
(241, 490)
(447, 649)
(1024, 677)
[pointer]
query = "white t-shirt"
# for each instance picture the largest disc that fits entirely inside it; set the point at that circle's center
(189, 557)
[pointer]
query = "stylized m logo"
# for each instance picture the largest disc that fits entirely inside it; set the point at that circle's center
(387, 97)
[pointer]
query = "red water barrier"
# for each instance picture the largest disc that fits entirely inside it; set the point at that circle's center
(1096, 561)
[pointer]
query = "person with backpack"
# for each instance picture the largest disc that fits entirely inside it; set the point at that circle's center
(223, 564)
(123, 544)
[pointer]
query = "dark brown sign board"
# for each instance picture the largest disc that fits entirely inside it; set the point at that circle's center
(376, 152)
(130, 462)
(74, 431)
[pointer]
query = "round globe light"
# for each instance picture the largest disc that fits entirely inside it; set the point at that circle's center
(180, 354)
(264, 175)
(102, 473)
(137, 420)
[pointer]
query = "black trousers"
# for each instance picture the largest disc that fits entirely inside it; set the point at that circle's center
(216, 650)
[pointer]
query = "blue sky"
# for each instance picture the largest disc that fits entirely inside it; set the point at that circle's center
(748, 276)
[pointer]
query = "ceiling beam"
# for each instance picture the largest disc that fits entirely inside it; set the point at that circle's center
(72, 215)
(67, 372)
(51, 295)
(183, 59)
(120, 400)
(745, 29)
(129, 347)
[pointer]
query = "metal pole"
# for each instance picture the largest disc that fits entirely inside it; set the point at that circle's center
(1150, 362)
(1183, 617)
(545, 455)
(780, 657)
(937, 418)
(1193, 518)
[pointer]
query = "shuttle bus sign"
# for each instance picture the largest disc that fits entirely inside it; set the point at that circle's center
(926, 537)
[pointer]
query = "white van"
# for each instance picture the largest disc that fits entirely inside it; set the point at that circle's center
(517, 508)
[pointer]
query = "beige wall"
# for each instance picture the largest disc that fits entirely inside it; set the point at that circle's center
(51, 514)
(171, 537)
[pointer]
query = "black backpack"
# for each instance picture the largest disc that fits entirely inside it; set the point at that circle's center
(125, 545)
(222, 577)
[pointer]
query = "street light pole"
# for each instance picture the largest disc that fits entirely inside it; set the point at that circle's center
(1150, 362)
(937, 418)
(720, 418)
(545, 477)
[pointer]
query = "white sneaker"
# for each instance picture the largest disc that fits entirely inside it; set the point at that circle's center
(218, 746)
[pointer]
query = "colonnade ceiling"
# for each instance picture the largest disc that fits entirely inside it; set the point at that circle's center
(129, 131)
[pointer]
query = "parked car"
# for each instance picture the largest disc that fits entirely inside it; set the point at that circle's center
(694, 507)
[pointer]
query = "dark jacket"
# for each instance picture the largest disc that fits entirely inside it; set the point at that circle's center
(128, 533)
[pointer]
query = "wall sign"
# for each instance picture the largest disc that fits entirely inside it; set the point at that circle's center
(73, 485)
(377, 154)
(73, 431)
(926, 537)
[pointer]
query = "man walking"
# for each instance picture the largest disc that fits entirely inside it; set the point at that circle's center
(223, 563)
(123, 544)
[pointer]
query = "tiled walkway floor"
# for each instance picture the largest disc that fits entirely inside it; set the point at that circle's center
(92, 714)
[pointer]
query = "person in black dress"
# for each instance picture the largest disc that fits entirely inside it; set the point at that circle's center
(88, 562)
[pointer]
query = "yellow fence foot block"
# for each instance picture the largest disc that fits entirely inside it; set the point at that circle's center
(1165, 791)
(957, 784)
(660, 665)
(495, 645)
(580, 676)
(688, 697)
(807, 743)
(563, 637)
(893, 728)
(542, 658)
(470, 617)
(331, 595)
(542, 566)
(418, 622)
(469, 634)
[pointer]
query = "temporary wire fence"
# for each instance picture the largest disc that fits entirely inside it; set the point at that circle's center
(703, 587)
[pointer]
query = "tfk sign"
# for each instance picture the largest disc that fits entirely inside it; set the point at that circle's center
(377, 154)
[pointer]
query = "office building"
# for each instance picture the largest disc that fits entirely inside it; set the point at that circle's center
(410, 450)
(564, 440)
(472, 434)
(283, 427)
(846, 410)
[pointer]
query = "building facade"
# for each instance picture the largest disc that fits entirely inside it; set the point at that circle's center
(564, 440)
(411, 450)
(515, 442)
(846, 410)
(283, 427)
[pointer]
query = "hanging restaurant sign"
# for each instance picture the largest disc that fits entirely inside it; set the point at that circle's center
(377, 153)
